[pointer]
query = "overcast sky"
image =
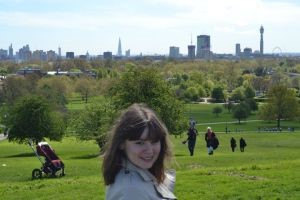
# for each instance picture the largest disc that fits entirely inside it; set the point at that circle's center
(148, 26)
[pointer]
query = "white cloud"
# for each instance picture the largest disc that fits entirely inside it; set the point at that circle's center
(191, 13)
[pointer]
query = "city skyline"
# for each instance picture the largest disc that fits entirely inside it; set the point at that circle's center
(148, 26)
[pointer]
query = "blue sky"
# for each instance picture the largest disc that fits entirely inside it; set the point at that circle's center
(148, 26)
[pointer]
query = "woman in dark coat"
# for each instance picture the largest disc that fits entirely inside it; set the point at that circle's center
(242, 144)
(232, 144)
(210, 138)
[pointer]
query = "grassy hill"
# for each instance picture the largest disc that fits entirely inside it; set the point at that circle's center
(268, 169)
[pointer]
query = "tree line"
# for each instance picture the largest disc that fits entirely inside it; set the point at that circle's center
(165, 86)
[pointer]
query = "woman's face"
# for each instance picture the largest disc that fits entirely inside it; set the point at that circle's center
(142, 153)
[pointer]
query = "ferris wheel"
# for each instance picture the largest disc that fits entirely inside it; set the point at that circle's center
(277, 51)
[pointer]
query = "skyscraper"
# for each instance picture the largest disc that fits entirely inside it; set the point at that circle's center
(203, 46)
(10, 52)
(127, 53)
(59, 52)
(261, 40)
(174, 52)
(70, 55)
(119, 48)
(191, 50)
(24, 53)
(237, 49)
(107, 55)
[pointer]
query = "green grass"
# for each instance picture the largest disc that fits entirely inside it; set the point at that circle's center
(76, 103)
(268, 169)
(202, 113)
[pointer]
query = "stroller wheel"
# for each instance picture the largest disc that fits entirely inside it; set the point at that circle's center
(36, 174)
(62, 173)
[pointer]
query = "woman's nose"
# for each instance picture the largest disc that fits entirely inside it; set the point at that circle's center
(149, 147)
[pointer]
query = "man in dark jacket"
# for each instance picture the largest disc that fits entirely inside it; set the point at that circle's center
(192, 135)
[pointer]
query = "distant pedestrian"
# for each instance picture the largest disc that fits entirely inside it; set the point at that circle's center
(211, 141)
(232, 144)
(242, 144)
(192, 135)
(192, 123)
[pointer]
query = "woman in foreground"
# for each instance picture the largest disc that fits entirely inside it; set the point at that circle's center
(135, 158)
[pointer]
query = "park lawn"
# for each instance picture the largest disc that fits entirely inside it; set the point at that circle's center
(202, 113)
(76, 103)
(268, 169)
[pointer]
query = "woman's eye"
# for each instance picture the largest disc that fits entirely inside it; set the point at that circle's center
(140, 142)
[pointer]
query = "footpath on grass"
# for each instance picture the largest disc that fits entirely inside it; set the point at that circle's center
(232, 122)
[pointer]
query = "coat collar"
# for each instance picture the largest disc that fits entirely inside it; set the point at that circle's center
(164, 189)
(145, 174)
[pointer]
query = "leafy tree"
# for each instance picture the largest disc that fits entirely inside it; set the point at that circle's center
(279, 78)
(3, 71)
(191, 94)
(252, 104)
(94, 122)
(54, 90)
(32, 118)
(281, 104)
(249, 92)
(241, 111)
(185, 77)
(217, 110)
(295, 82)
(231, 74)
(260, 71)
(31, 82)
(13, 88)
(201, 91)
(197, 77)
(237, 95)
(176, 79)
(260, 83)
(85, 86)
(145, 85)
(229, 105)
(218, 94)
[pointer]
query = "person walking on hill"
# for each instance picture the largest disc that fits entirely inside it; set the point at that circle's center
(242, 144)
(192, 123)
(192, 135)
(232, 144)
(211, 141)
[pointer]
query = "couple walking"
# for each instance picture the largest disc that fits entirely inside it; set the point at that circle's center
(242, 144)
(212, 141)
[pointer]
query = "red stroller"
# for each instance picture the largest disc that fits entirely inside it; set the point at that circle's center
(52, 165)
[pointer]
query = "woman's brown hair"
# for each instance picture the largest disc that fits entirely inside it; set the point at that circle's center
(130, 126)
